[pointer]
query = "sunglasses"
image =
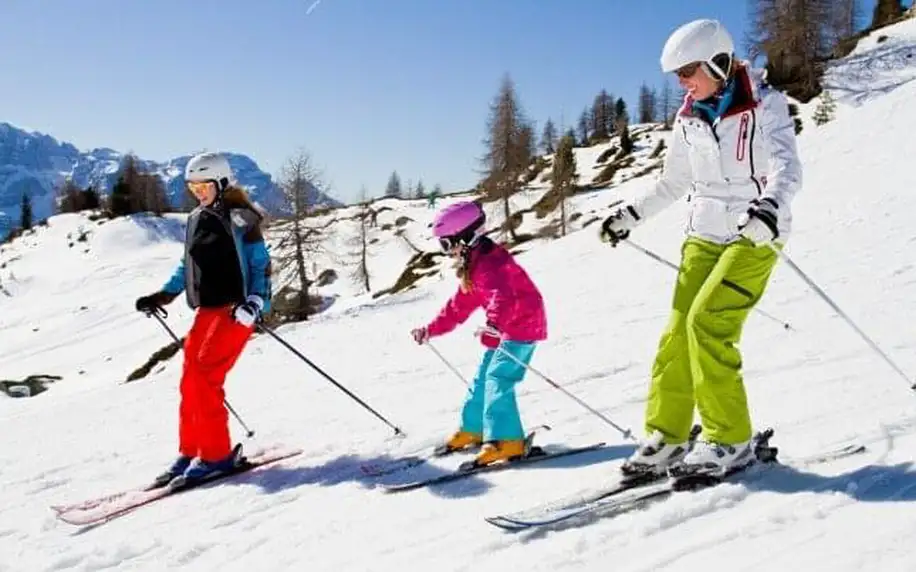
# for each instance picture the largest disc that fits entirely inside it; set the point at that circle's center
(687, 71)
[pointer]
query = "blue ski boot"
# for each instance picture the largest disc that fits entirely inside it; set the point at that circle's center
(200, 470)
(177, 469)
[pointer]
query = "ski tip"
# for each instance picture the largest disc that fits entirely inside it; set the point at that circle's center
(507, 525)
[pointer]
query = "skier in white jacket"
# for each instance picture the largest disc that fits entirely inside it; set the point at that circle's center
(733, 152)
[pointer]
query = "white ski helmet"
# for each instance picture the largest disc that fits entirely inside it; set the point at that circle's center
(705, 41)
(209, 167)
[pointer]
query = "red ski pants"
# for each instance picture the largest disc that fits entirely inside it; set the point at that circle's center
(210, 350)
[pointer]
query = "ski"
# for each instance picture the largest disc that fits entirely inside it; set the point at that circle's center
(408, 461)
(425, 455)
(831, 455)
(102, 509)
(535, 454)
(630, 499)
(628, 495)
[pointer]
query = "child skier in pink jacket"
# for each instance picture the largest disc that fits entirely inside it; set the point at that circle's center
(490, 279)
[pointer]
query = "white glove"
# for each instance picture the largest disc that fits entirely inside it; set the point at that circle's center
(248, 312)
(617, 227)
(760, 224)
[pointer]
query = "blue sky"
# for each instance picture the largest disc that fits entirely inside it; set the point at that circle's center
(365, 86)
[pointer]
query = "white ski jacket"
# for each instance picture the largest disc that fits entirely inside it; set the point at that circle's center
(749, 153)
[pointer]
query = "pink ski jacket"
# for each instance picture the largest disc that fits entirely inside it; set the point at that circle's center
(512, 302)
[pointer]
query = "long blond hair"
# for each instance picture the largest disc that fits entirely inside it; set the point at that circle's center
(462, 268)
(234, 197)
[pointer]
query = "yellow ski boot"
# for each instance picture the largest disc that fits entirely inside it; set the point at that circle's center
(462, 440)
(500, 451)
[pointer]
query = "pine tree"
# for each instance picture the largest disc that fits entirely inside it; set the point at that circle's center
(647, 104)
(549, 138)
(585, 122)
(610, 113)
(600, 116)
(25, 215)
(393, 188)
(70, 198)
(825, 109)
(620, 112)
(666, 103)
(120, 199)
(91, 200)
(885, 12)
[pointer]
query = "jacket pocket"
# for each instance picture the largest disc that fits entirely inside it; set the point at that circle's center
(715, 219)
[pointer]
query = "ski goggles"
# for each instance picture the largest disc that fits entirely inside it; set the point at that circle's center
(199, 186)
(688, 71)
(447, 243)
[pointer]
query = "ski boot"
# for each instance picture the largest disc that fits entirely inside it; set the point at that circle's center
(177, 469)
(459, 441)
(200, 470)
(500, 452)
(710, 462)
(505, 451)
(654, 457)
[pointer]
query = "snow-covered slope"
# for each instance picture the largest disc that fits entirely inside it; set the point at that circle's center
(816, 384)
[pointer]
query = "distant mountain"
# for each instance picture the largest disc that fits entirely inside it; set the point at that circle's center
(35, 164)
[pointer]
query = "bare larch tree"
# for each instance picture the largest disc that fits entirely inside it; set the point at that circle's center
(360, 241)
(564, 176)
(300, 181)
(509, 148)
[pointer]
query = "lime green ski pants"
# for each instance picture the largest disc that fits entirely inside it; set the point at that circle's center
(698, 361)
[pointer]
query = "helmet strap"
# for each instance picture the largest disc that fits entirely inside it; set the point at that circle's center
(714, 66)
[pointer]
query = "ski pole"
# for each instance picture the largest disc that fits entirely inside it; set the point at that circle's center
(447, 364)
(156, 314)
(627, 434)
(728, 283)
(296, 352)
(785, 257)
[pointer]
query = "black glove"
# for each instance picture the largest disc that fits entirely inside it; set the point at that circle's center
(760, 224)
(153, 302)
(617, 227)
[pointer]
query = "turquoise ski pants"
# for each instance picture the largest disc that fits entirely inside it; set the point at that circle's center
(490, 407)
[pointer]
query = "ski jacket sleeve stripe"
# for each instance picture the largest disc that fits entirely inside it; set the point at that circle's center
(676, 177)
(785, 173)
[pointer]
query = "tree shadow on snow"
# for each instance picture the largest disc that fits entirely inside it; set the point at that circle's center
(350, 468)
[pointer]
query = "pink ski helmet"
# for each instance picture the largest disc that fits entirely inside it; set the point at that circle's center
(459, 223)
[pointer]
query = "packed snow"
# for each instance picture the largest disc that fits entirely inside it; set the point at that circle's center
(66, 308)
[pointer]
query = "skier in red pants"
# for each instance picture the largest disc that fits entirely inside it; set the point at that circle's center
(225, 274)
